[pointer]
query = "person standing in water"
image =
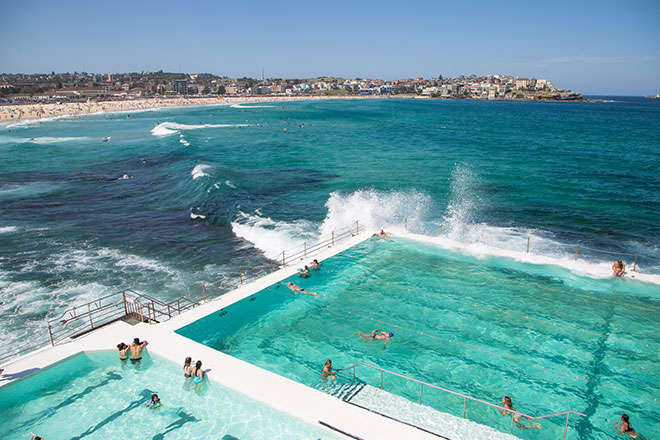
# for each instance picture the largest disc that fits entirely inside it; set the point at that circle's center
(624, 427)
(618, 269)
(304, 273)
(315, 264)
(123, 351)
(136, 350)
(508, 404)
(197, 373)
(328, 372)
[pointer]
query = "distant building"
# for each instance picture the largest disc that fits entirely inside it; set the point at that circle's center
(522, 83)
(180, 86)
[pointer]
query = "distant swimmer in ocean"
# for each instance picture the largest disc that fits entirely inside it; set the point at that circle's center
(315, 264)
(376, 335)
(106, 139)
(304, 273)
(624, 427)
(508, 404)
(618, 269)
(295, 288)
(382, 234)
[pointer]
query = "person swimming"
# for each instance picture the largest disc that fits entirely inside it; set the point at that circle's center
(123, 351)
(315, 264)
(295, 288)
(154, 403)
(618, 269)
(328, 372)
(136, 350)
(187, 367)
(376, 335)
(382, 234)
(508, 405)
(198, 373)
(304, 273)
(625, 427)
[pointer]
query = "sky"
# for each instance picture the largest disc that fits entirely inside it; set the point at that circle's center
(594, 47)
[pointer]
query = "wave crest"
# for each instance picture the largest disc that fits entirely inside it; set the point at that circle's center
(168, 128)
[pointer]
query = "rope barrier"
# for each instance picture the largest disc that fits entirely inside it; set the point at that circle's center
(454, 341)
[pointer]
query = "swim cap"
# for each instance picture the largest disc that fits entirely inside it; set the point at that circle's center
(391, 334)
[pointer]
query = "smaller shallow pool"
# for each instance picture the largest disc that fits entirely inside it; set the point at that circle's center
(96, 396)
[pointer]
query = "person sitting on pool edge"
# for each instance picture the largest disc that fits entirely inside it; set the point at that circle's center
(625, 427)
(618, 269)
(376, 335)
(154, 403)
(304, 273)
(508, 404)
(328, 372)
(123, 351)
(136, 350)
(295, 288)
(315, 264)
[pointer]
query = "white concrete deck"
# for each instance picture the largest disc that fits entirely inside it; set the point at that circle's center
(308, 404)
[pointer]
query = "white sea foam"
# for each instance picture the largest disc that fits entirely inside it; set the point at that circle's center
(229, 184)
(184, 142)
(251, 106)
(168, 128)
(196, 216)
(44, 139)
(8, 229)
(200, 171)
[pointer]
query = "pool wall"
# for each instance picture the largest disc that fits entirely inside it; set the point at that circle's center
(276, 391)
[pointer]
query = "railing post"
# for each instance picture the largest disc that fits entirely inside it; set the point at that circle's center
(178, 305)
(576, 252)
(464, 406)
(421, 391)
(89, 312)
(635, 266)
(441, 229)
(566, 425)
(353, 374)
(204, 292)
(381, 379)
(283, 259)
(123, 294)
(305, 251)
(153, 309)
(405, 223)
(512, 417)
(240, 271)
(357, 227)
(169, 313)
(50, 332)
(333, 238)
(528, 245)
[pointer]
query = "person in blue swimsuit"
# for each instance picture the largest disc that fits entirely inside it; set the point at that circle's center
(154, 403)
(198, 373)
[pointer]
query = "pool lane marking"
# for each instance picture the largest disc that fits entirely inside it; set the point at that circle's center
(649, 309)
(509, 312)
(454, 341)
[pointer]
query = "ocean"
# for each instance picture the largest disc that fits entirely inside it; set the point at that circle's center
(181, 197)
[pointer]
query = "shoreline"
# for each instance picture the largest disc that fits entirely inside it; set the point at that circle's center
(24, 113)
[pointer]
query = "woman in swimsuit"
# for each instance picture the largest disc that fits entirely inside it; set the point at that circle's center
(186, 367)
(304, 273)
(198, 373)
(508, 404)
(315, 264)
(123, 351)
(625, 427)
(328, 372)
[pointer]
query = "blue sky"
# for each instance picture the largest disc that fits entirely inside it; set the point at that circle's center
(589, 46)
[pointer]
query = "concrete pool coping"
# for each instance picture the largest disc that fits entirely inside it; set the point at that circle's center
(308, 404)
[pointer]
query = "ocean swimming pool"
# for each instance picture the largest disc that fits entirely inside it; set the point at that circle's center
(488, 327)
(96, 396)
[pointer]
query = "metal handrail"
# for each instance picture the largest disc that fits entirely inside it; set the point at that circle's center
(464, 396)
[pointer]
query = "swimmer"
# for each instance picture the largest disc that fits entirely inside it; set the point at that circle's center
(295, 288)
(304, 273)
(106, 139)
(376, 335)
(123, 351)
(136, 350)
(34, 436)
(187, 367)
(154, 403)
(618, 269)
(625, 427)
(328, 372)
(315, 264)
(508, 404)
(382, 234)
(198, 373)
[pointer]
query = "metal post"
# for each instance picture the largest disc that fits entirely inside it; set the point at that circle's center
(576, 252)
(405, 222)
(240, 271)
(50, 332)
(89, 312)
(566, 425)
(511, 431)
(528, 245)
(635, 267)
(333, 238)
(305, 249)
(153, 309)
(421, 390)
(283, 259)
(178, 305)
(353, 374)
(464, 406)
(123, 294)
(169, 313)
(381, 379)
(440, 229)
(204, 292)
(357, 227)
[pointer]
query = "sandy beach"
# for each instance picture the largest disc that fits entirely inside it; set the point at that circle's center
(25, 112)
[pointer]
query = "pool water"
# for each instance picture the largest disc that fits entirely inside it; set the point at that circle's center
(96, 396)
(489, 327)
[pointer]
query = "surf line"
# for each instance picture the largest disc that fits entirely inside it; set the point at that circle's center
(454, 341)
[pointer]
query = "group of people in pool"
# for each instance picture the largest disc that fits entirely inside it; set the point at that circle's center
(193, 371)
(135, 350)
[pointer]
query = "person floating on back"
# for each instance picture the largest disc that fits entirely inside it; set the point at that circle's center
(376, 335)
(136, 350)
(618, 269)
(328, 372)
(382, 234)
(123, 351)
(295, 288)
(508, 404)
(304, 273)
(624, 427)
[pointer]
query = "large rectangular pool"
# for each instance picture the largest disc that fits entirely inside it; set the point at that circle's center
(487, 327)
(97, 396)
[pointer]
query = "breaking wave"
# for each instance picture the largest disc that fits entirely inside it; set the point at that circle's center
(44, 139)
(251, 106)
(169, 128)
(200, 171)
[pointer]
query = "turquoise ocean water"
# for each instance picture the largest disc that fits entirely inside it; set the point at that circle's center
(180, 197)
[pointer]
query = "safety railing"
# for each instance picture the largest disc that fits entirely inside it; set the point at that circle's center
(128, 304)
(515, 415)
